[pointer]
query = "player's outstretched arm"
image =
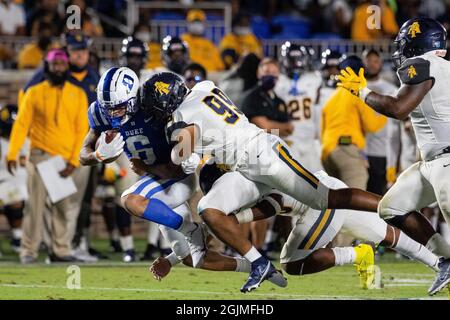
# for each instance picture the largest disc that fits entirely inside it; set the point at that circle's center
(400, 106)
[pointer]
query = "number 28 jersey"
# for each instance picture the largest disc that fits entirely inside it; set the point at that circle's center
(223, 129)
(142, 140)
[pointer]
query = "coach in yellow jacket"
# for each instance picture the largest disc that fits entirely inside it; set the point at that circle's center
(53, 114)
(345, 122)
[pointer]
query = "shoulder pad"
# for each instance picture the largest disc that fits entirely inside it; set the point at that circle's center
(204, 86)
(414, 71)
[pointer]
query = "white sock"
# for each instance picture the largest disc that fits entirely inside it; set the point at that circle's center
(16, 233)
(416, 251)
(445, 231)
(163, 243)
(252, 254)
(187, 227)
(244, 216)
(173, 259)
(344, 255)
(242, 265)
(127, 243)
(153, 234)
(438, 246)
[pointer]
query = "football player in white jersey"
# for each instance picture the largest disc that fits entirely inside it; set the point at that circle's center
(206, 122)
(303, 252)
(298, 87)
(425, 98)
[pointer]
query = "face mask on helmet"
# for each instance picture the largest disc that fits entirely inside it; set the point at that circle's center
(119, 114)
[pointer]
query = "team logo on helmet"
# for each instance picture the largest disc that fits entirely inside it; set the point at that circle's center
(412, 72)
(128, 82)
(413, 29)
(162, 87)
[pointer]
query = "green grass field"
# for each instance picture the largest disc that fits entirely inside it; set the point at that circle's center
(115, 280)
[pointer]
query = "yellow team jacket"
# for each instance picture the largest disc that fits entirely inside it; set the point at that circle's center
(242, 44)
(154, 55)
(346, 115)
(55, 120)
(360, 31)
(204, 52)
(30, 56)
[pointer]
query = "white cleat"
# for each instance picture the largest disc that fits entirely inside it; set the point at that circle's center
(197, 245)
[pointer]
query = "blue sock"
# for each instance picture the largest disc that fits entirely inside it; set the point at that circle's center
(157, 211)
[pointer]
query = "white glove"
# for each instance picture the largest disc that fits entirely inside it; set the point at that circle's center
(190, 164)
(110, 150)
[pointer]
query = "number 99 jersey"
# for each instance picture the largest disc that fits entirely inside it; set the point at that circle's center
(223, 129)
(142, 139)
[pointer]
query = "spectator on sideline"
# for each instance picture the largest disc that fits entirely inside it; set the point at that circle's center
(362, 17)
(201, 49)
(49, 111)
(240, 41)
(143, 32)
(45, 12)
(12, 18)
(32, 54)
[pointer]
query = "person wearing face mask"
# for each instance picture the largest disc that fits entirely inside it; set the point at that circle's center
(143, 32)
(239, 41)
(263, 107)
(53, 115)
(31, 55)
(202, 50)
(376, 143)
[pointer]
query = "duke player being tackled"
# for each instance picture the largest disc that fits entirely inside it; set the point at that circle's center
(162, 192)
(424, 96)
(204, 121)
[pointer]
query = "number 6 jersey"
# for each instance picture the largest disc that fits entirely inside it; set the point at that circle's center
(142, 139)
(223, 129)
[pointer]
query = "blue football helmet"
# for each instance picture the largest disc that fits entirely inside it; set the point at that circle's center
(117, 95)
(161, 94)
(418, 36)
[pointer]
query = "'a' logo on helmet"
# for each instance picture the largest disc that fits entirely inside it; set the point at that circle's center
(162, 87)
(413, 29)
(412, 72)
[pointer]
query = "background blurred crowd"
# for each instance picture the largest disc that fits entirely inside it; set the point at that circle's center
(292, 91)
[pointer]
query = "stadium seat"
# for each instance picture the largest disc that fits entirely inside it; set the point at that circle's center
(260, 27)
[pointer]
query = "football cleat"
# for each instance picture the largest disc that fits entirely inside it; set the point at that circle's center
(150, 254)
(197, 245)
(364, 262)
(129, 256)
(442, 278)
(262, 269)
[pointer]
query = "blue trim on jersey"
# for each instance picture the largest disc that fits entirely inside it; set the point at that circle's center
(160, 188)
(98, 116)
(143, 185)
(91, 119)
(107, 84)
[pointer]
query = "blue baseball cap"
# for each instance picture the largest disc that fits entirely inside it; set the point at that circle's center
(76, 41)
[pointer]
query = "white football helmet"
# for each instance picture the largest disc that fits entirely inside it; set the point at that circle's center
(117, 95)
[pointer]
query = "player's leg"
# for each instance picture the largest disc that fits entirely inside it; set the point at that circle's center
(126, 238)
(438, 172)
(14, 214)
(269, 162)
(215, 208)
(402, 211)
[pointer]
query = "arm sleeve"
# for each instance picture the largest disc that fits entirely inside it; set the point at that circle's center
(81, 128)
(21, 126)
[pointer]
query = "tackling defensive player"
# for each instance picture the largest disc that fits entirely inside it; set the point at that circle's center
(204, 121)
(424, 96)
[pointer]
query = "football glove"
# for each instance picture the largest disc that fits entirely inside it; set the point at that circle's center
(110, 150)
(355, 83)
(190, 164)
